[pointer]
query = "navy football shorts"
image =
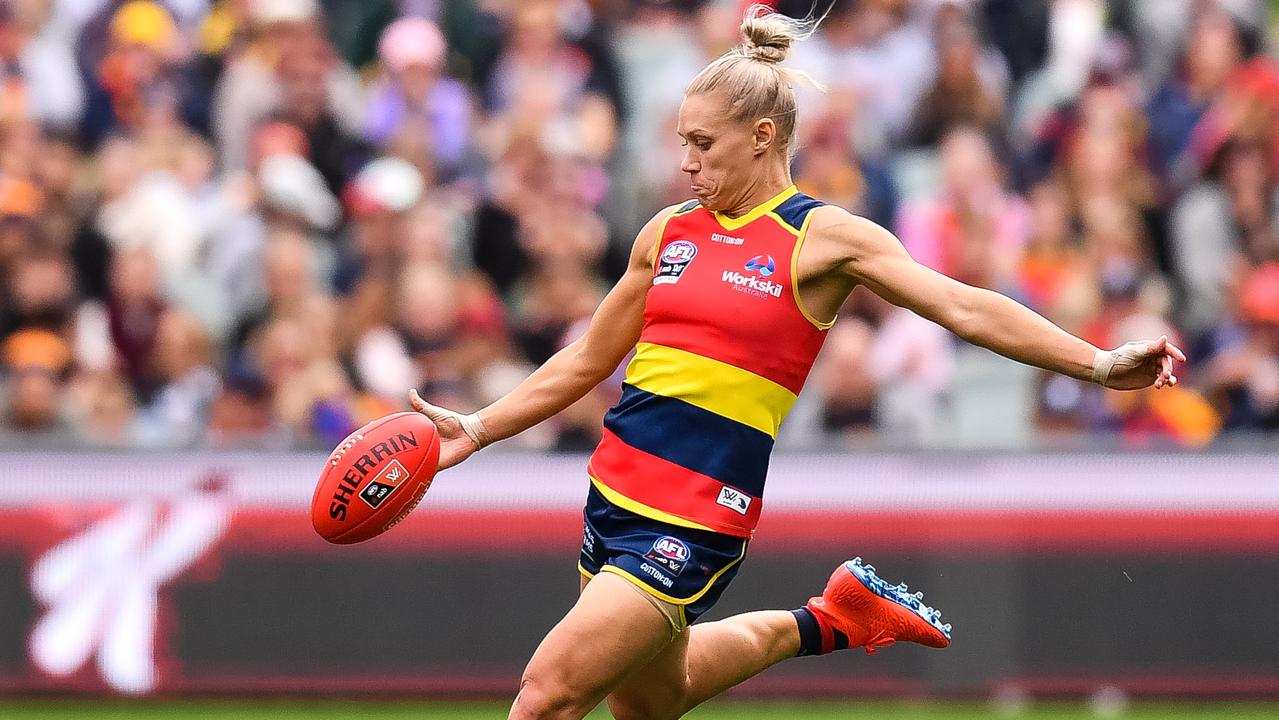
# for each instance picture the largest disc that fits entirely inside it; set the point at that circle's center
(686, 567)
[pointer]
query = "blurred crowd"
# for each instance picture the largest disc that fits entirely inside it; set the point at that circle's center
(257, 223)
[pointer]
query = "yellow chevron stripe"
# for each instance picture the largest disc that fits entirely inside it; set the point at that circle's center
(785, 225)
(712, 385)
(641, 509)
(756, 212)
(794, 275)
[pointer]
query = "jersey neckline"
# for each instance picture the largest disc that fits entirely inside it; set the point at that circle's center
(756, 212)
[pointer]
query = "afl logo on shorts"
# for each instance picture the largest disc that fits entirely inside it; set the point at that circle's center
(762, 264)
(671, 553)
(674, 260)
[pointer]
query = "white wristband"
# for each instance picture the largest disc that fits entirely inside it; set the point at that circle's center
(1102, 363)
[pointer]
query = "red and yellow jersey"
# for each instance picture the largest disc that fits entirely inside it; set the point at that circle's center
(725, 349)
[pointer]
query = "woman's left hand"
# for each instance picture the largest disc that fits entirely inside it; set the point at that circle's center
(1137, 365)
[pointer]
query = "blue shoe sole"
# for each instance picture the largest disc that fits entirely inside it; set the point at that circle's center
(898, 594)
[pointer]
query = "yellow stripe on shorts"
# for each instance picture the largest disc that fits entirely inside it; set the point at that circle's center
(712, 385)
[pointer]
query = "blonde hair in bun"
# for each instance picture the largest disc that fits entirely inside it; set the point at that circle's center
(767, 36)
(751, 75)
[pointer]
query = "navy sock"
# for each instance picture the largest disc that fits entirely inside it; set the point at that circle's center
(816, 636)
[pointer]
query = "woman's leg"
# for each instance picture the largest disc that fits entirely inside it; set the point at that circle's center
(609, 633)
(857, 607)
(704, 661)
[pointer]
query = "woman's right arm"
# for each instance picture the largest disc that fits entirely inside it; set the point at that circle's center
(569, 374)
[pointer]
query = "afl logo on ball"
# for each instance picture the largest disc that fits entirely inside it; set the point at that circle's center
(384, 483)
(674, 260)
(671, 553)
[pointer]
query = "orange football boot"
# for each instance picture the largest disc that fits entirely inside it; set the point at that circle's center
(874, 614)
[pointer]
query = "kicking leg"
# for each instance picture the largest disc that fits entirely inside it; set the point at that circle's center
(609, 633)
(857, 609)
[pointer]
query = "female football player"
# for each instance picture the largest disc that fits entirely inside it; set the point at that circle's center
(726, 302)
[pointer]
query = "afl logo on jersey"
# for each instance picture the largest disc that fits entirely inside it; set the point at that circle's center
(762, 264)
(674, 260)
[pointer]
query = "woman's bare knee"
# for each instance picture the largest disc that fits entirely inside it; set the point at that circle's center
(545, 699)
(611, 631)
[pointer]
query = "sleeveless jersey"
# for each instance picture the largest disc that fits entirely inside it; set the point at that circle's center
(725, 348)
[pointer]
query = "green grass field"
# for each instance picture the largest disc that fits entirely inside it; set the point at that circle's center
(724, 710)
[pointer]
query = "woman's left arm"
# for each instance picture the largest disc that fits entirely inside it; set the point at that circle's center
(873, 257)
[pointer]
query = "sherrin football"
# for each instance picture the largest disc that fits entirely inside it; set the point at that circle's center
(375, 478)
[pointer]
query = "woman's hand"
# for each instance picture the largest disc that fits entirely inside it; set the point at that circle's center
(456, 442)
(1137, 365)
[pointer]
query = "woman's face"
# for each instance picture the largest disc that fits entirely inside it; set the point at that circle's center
(718, 151)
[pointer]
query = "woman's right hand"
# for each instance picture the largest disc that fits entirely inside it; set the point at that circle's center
(455, 444)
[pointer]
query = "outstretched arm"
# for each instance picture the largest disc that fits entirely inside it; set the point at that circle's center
(568, 375)
(875, 258)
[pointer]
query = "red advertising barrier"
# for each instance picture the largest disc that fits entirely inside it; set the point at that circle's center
(201, 573)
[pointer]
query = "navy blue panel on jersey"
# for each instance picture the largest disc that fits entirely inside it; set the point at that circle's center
(796, 208)
(693, 438)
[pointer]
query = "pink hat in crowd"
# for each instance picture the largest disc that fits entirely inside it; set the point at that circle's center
(411, 41)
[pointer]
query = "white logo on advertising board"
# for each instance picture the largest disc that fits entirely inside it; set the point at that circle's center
(101, 588)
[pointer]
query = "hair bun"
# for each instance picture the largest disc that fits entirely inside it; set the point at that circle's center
(768, 36)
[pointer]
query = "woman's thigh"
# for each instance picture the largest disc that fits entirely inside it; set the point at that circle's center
(610, 632)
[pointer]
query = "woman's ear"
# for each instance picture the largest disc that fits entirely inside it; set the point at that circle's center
(765, 135)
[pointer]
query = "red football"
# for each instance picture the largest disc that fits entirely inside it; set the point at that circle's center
(375, 478)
